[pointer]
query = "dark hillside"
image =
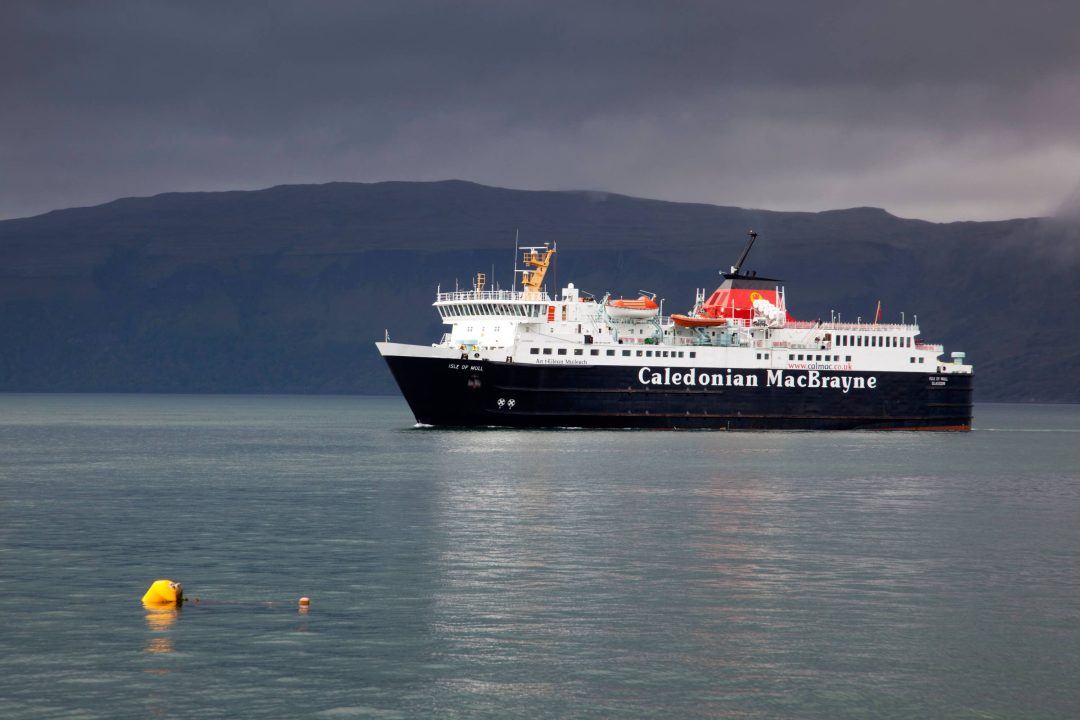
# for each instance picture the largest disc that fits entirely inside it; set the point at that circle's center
(285, 289)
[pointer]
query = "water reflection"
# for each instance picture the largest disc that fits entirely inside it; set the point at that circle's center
(160, 620)
(160, 645)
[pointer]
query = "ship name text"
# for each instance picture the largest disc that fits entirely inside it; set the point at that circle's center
(773, 378)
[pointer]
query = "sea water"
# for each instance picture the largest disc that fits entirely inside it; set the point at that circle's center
(531, 574)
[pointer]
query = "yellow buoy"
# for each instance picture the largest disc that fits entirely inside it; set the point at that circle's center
(164, 592)
(305, 601)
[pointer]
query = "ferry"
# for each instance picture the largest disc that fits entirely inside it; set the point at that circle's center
(736, 361)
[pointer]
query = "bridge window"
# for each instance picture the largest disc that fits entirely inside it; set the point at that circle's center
(648, 353)
(847, 358)
(594, 351)
(562, 351)
(921, 359)
(693, 354)
(610, 353)
(534, 351)
(639, 353)
(626, 353)
(547, 351)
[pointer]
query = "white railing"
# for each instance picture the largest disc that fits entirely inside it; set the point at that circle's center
(827, 326)
(850, 327)
(491, 295)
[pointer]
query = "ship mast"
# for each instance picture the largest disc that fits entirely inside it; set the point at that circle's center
(746, 251)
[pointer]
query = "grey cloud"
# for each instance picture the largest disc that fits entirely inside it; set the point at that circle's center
(941, 110)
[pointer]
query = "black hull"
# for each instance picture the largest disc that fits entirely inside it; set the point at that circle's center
(467, 393)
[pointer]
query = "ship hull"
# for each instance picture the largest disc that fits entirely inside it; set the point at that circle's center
(484, 393)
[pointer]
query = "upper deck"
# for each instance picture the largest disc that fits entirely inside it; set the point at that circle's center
(491, 296)
(511, 304)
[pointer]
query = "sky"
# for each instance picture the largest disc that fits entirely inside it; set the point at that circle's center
(937, 110)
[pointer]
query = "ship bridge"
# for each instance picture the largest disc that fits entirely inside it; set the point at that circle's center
(511, 304)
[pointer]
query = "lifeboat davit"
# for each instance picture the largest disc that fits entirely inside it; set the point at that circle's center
(696, 321)
(641, 309)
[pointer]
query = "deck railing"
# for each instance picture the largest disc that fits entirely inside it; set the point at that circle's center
(492, 295)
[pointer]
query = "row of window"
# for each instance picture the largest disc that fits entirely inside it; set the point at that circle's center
(470, 309)
(817, 358)
(625, 353)
(801, 357)
(873, 341)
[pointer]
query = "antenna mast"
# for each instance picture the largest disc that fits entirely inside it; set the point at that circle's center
(746, 251)
(513, 278)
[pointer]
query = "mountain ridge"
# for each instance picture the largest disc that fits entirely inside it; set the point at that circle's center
(284, 289)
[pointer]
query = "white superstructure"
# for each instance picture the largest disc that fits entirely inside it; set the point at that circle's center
(573, 328)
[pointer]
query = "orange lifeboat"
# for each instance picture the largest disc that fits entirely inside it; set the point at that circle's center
(642, 308)
(695, 321)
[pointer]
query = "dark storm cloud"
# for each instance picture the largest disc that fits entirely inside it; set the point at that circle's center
(942, 110)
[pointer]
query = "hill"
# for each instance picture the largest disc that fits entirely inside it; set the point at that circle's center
(286, 289)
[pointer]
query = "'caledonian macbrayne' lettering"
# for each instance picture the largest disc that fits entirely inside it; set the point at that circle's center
(773, 378)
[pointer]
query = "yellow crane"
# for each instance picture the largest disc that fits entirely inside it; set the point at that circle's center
(536, 261)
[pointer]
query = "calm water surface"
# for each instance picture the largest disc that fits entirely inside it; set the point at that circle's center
(532, 574)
